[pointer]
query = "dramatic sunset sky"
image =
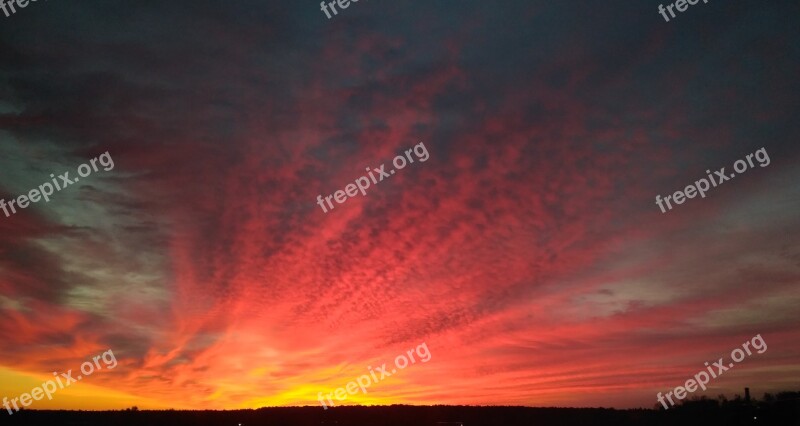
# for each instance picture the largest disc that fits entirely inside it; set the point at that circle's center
(527, 252)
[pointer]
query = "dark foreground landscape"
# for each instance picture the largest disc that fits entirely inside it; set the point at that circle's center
(782, 412)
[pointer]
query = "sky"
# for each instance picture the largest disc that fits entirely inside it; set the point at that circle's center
(527, 252)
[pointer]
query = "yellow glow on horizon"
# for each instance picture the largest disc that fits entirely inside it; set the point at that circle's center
(77, 396)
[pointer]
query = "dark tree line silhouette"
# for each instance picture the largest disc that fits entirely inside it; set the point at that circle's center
(782, 409)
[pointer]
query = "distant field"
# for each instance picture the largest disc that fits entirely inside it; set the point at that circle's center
(785, 414)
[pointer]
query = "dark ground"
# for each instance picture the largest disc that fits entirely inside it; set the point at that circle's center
(706, 413)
